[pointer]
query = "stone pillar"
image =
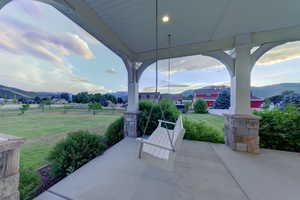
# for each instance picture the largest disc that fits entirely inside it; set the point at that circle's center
(241, 132)
(131, 124)
(9, 166)
(131, 116)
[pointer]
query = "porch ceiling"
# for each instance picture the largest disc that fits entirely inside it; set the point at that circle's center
(128, 26)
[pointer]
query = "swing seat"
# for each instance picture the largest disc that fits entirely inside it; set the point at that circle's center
(163, 142)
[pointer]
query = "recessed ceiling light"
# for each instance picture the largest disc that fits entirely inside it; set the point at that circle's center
(165, 18)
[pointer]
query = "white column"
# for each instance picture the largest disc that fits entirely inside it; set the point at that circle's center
(133, 89)
(240, 81)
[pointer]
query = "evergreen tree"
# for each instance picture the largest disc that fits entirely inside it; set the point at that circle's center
(223, 100)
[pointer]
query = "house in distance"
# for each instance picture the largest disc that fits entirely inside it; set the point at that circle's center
(210, 94)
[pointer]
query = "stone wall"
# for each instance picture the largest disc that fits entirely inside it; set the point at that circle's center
(241, 132)
(9, 166)
(130, 124)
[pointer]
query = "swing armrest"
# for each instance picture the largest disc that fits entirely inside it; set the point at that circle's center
(141, 140)
(167, 122)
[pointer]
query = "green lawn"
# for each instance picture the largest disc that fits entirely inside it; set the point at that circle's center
(214, 121)
(43, 129)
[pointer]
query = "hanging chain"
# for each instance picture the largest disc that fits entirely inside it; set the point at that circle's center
(156, 46)
(169, 63)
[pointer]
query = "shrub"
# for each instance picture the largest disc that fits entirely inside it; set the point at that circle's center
(24, 108)
(29, 183)
(94, 107)
(74, 151)
(200, 131)
(187, 106)
(114, 132)
(223, 100)
(200, 106)
(280, 129)
(170, 114)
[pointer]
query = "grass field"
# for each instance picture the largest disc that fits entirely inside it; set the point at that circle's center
(43, 130)
(215, 121)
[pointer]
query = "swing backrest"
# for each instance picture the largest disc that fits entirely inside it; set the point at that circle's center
(178, 133)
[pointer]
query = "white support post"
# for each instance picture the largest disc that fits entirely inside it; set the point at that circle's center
(240, 82)
(240, 127)
(133, 90)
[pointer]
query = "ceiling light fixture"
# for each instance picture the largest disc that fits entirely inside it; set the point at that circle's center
(165, 19)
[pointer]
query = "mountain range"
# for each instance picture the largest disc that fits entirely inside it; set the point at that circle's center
(263, 92)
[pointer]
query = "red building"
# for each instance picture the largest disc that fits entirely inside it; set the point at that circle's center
(209, 95)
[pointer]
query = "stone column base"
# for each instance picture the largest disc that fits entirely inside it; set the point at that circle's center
(9, 166)
(131, 124)
(241, 132)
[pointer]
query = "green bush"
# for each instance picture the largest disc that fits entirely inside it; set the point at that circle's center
(114, 132)
(75, 151)
(29, 183)
(187, 106)
(24, 108)
(94, 107)
(170, 112)
(280, 129)
(200, 131)
(200, 106)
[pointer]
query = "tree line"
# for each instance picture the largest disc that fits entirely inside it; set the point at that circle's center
(84, 97)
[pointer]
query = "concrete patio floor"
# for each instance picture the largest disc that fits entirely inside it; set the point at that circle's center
(202, 171)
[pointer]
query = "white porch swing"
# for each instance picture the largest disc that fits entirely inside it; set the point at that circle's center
(163, 142)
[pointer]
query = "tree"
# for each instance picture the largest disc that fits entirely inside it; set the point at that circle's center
(276, 99)
(82, 97)
(97, 98)
(200, 106)
(291, 99)
(65, 96)
(120, 100)
(94, 107)
(223, 100)
(37, 100)
(266, 104)
(24, 108)
(109, 97)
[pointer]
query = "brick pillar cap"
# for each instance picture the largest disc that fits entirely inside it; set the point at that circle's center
(8, 142)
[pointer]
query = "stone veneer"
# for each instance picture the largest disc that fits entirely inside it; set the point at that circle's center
(9, 166)
(242, 132)
(131, 124)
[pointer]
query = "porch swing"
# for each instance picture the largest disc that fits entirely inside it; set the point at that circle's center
(163, 142)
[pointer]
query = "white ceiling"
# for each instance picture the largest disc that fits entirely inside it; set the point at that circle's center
(128, 26)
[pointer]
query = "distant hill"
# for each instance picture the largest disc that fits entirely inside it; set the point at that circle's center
(187, 92)
(11, 93)
(271, 90)
(119, 94)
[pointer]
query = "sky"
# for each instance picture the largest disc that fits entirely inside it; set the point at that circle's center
(42, 50)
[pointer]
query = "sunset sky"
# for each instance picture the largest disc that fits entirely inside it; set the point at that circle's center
(42, 50)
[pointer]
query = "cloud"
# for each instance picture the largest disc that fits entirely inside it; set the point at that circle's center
(30, 8)
(188, 63)
(23, 39)
(281, 53)
(278, 54)
(177, 88)
(26, 73)
(111, 71)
